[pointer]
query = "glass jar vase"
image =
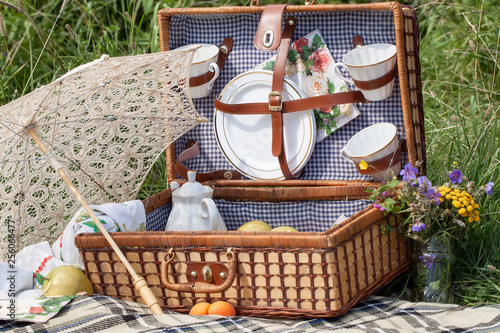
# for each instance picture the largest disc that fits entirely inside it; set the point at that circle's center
(432, 271)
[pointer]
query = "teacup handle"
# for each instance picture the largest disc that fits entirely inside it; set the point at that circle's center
(214, 68)
(337, 71)
(346, 157)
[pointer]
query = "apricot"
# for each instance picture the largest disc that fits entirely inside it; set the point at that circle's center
(200, 309)
(221, 308)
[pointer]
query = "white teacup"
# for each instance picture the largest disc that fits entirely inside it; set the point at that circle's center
(370, 62)
(204, 60)
(371, 144)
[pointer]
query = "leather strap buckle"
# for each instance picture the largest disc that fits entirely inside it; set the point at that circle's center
(280, 99)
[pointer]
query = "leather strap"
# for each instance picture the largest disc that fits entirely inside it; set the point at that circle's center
(315, 102)
(276, 99)
(382, 164)
(193, 150)
(357, 41)
(224, 50)
(377, 83)
(268, 35)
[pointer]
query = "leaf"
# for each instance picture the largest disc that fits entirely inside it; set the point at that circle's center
(396, 209)
(389, 202)
(336, 111)
(269, 65)
(394, 183)
(93, 225)
(317, 43)
(309, 63)
(307, 51)
(292, 56)
(331, 86)
(40, 279)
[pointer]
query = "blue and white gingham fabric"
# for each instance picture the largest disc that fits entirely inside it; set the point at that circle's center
(338, 29)
(157, 219)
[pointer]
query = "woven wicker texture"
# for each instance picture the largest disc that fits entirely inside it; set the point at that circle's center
(270, 281)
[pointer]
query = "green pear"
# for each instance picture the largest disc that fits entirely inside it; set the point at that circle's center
(66, 280)
(285, 229)
(255, 225)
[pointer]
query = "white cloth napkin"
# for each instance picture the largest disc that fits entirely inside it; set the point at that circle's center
(126, 216)
(14, 279)
(37, 258)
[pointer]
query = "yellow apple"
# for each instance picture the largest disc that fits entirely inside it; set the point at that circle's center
(285, 229)
(255, 225)
(66, 280)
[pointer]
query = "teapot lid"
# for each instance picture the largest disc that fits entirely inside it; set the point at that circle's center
(191, 187)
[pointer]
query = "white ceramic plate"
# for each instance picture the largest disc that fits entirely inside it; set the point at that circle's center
(245, 140)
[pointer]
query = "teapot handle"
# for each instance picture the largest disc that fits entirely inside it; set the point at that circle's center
(209, 210)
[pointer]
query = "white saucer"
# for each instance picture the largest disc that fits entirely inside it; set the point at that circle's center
(245, 140)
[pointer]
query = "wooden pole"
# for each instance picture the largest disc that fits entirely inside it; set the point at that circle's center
(139, 282)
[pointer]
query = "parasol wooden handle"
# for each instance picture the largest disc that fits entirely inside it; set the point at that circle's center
(139, 283)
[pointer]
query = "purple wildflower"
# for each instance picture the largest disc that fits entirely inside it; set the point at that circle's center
(455, 176)
(376, 206)
(423, 183)
(419, 226)
(489, 188)
(433, 196)
(384, 194)
(427, 260)
(409, 172)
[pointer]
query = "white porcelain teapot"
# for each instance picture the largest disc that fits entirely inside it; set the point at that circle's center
(193, 208)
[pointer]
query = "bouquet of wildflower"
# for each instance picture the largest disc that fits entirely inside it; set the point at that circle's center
(433, 216)
(443, 211)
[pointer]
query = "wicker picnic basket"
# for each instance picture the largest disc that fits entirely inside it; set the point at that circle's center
(321, 271)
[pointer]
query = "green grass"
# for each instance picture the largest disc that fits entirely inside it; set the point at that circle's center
(41, 40)
(460, 66)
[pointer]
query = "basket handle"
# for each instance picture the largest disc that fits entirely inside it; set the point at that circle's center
(256, 2)
(199, 287)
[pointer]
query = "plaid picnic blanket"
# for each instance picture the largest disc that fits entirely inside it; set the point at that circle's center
(375, 314)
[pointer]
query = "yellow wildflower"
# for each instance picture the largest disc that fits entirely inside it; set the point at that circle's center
(363, 165)
(476, 218)
(457, 204)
